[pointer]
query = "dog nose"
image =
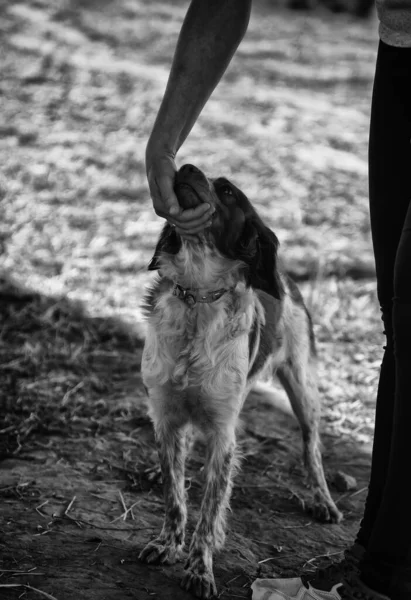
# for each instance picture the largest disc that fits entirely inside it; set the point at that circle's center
(189, 169)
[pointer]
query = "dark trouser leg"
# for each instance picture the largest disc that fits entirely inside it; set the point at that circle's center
(382, 436)
(387, 564)
(386, 527)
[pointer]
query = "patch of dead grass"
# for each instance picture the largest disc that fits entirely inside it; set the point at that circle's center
(57, 364)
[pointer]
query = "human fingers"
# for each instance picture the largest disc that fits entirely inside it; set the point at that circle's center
(192, 220)
(190, 216)
(192, 230)
(191, 226)
(165, 201)
(161, 170)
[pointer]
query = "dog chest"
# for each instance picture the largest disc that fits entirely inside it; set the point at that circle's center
(206, 347)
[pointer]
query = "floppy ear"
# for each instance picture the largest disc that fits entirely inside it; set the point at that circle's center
(169, 243)
(257, 247)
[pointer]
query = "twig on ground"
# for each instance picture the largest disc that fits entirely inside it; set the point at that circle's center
(18, 573)
(28, 587)
(69, 505)
(296, 526)
(101, 497)
(6, 430)
(38, 509)
(260, 562)
(279, 556)
(125, 513)
(65, 514)
(29, 572)
(360, 491)
(90, 524)
(99, 544)
(314, 558)
(233, 579)
(123, 504)
(350, 495)
(69, 393)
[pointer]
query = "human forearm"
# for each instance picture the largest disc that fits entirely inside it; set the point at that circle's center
(210, 35)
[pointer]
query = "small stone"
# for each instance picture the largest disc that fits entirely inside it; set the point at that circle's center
(343, 482)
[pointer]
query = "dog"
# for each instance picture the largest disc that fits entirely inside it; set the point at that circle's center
(218, 315)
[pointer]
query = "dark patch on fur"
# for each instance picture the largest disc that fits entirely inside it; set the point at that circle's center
(243, 236)
(298, 299)
(171, 455)
(218, 479)
(174, 514)
(217, 486)
(169, 243)
(195, 561)
(294, 290)
(258, 249)
(269, 332)
(179, 538)
(311, 332)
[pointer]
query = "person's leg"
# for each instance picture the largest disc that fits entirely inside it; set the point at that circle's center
(390, 190)
(387, 562)
(386, 527)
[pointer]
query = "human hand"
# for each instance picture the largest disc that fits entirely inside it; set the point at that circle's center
(161, 170)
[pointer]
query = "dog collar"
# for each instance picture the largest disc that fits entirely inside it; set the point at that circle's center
(192, 296)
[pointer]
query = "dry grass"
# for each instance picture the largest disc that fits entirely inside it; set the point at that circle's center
(57, 364)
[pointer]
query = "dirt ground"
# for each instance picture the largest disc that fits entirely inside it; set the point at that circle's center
(79, 490)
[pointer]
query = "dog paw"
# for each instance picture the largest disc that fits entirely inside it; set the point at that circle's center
(202, 585)
(158, 552)
(325, 512)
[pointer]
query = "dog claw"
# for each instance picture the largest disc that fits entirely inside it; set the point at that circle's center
(325, 513)
(202, 586)
(335, 516)
(157, 552)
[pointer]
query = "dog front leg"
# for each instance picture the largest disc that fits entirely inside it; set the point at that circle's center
(209, 533)
(166, 548)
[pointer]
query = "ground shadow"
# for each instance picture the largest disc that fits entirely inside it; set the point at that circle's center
(55, 360)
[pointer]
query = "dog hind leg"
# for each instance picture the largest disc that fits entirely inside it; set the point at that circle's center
(298, 381)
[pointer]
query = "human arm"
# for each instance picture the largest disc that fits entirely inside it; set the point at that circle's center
(209, 37)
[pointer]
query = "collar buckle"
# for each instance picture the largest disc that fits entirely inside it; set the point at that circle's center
(189, 299)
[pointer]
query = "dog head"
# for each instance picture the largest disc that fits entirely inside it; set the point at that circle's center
(237, 231)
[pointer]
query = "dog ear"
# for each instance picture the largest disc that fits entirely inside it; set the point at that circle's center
(169, 243)
(257, 247)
